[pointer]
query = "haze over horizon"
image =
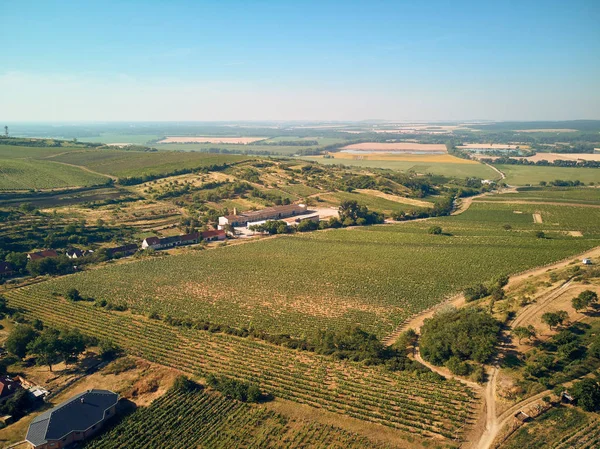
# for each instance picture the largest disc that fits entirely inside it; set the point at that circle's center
(200, 61)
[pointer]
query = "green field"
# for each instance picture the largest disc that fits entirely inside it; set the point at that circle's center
(414, 405)
(372, 202)
(26, 174)
(135, 139)
(438, 168)
(138, 163)
(20, 152)
(375, 277)
(559, 428)
(580, 195)
(527, 174)
(181, 420)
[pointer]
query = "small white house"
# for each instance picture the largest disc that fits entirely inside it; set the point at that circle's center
(586, 261)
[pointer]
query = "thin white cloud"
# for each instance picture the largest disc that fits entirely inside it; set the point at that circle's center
(58, 97)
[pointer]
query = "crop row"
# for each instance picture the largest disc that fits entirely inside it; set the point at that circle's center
(375, 277)
(199, 419)
(585, 437)
(398, 400)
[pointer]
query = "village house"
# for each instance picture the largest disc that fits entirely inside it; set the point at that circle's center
(211, 236)
(74, 253)
(170, 242)
(73, 420)
(8, 386)
(124, 250)
(269, 213)
(42, 254)
(6, 269)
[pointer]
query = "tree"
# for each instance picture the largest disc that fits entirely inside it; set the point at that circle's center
(435, 230)
(476, 292)
(17, 260)
(584, 300)
(553, 319)
(19, 338)
(46, 348)
(540, 234)
(524, 332)
(579, 303)
(72, 344)
(587, 394)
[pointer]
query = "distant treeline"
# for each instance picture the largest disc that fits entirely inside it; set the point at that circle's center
(557, 163)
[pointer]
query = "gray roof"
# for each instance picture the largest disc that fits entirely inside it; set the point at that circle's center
(75, 415)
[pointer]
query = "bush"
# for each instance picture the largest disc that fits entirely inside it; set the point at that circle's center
(235, 389)
(184, 384)
(435, 230)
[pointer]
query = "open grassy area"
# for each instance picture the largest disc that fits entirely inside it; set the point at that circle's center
(137, 163)
(528, 174)
(436, 168)
(375, 277)
(26, 174)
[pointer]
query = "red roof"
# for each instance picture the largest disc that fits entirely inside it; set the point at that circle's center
(215, 233)
(42, 254)
(152, 240)
(7, 386)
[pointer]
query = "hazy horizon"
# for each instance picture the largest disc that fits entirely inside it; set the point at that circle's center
(304, 61)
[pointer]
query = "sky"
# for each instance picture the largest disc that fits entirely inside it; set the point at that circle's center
(299, 60)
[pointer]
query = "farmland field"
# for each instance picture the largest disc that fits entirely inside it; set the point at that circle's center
(209, 139)
(372, 202)
(398, 146)
(528, 174)
(26, 174)
(375, 277)
(582, 195)
(201, 419)
(20, 152)
(436, 168)
(135, 163)
(559, 428)
(284, 150)
(398, 400)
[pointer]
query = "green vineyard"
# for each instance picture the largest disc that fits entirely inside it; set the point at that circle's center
(398, 400)
(181, 420)
(375, 277)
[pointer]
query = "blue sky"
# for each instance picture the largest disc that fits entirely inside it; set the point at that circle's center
(351, 60)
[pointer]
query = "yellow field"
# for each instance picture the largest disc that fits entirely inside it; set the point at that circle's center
(430, 158)
(396, 146)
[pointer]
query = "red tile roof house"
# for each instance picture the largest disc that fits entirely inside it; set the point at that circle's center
(74, 420)
(8, 386)
(169, 242)
(6, 269)
(211, 236)
(124, 250)
(42, 254)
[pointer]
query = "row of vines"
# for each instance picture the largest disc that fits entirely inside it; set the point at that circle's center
(398, 400)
